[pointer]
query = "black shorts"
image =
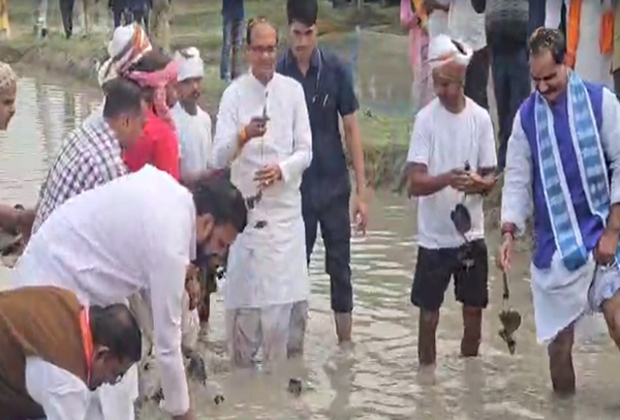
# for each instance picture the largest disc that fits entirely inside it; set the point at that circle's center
(469, 265)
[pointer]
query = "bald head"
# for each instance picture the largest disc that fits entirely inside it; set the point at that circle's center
(260, 27)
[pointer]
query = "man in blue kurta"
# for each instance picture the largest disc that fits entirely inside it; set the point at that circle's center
(564, 158)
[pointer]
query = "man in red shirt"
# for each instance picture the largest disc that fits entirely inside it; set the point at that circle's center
(156, 73)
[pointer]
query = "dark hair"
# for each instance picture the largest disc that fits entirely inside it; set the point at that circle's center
(552, 40)
(122, 97)
(115, 327)
(151, 61)
(252, 24)
(302, 11)
(218, 197)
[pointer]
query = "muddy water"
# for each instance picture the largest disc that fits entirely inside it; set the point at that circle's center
(378, 378)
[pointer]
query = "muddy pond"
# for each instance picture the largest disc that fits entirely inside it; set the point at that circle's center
(379, 377)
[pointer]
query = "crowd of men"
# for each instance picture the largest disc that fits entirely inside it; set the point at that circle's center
(141, 194)
(138, 196)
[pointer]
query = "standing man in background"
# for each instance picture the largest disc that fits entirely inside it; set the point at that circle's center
(506, 32)
(192, 123)
(326, 188)
(233, 14)
(467, 26)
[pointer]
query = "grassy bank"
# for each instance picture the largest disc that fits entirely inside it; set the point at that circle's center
(198, 23)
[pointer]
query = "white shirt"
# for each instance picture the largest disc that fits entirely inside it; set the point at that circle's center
(444, 141)
(465, 25)
(195, 140)
(267, 266)
(133, 234)
(62, 395)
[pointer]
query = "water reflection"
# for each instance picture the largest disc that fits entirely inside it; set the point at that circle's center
(379, 377)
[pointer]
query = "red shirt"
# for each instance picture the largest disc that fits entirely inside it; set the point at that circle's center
(158, 146)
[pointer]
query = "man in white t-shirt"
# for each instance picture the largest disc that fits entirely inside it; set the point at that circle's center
(193, 125)
(452, 158)
(467, 26)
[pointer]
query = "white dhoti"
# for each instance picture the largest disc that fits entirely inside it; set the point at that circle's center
(562, 297)
(278, 329)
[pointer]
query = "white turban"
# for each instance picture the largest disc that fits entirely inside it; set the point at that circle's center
(443, 50)
(191, 65)
(128, 44)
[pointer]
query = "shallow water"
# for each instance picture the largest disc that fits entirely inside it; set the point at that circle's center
(379, 377)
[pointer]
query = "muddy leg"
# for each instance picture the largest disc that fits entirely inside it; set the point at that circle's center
(427, 352)
(472, 327)
(561, 362)
(611, 310)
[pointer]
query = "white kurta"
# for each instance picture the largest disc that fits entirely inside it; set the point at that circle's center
(591, 65)
(557, 284)
(267, 266)
(136, 233)
(61, 394)
(195, 139)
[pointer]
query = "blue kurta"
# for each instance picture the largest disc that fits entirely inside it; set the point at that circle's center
(590, 225)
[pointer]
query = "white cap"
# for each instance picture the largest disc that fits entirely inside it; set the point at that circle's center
(191, 65)
(444, 50)
(128, 44)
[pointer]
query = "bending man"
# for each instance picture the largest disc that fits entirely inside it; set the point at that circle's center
(136, 234)
(54, 351)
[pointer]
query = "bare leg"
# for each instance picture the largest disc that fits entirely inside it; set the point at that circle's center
(561, 362)
(427, 352)
(472, 327)
(611, 310)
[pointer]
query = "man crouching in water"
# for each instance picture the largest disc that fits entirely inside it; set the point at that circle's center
(53, 352)
(452, 157)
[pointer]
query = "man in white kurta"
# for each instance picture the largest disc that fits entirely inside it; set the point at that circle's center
(263, 131)
(563, 160)
(135, 234)
(591, 64)
(192, 123)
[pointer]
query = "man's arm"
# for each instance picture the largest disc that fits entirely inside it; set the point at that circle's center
(227, 135)
(347, 108)
(62, 395)
(485, 178)
(168, 247)
(293, 167)
(517, 190)
(610, 133)
(421, 183)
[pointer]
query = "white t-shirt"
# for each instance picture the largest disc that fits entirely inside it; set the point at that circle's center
(195, 139)
(444, 141)
(465, 25)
